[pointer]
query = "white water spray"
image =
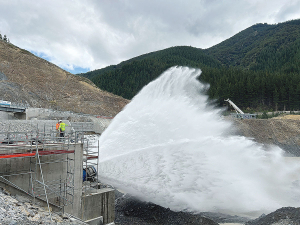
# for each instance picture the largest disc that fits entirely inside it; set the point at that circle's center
(170, 148)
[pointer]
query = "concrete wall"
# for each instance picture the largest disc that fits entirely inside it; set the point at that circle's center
(54, 170)
(32, 113)
(46, 114)
(3, 115)
(32, 125)
(6, 115)
(40, 117)
(100, 124)
(75, 208)
(100, 203)
(96, 203)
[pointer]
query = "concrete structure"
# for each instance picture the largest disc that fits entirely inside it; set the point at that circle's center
(44, 114)
(100, 124)
(12, 108)
(10, 115)
(102, 201)
(54, 175)
(83, 126)
(35, 113)
(58, 167)
(6, 116)
(49, 117)
(243, 116)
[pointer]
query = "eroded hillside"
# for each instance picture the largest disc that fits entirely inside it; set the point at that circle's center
(281, 131)
(25, 78)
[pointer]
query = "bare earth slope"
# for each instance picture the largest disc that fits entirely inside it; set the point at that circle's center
(281, 131)
(25, 78)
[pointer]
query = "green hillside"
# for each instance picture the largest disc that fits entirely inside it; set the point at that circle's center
(261, 47)
(258, 68)
(127, 78)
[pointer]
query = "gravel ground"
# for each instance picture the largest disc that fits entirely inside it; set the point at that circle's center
(130, 210)
(15, 210)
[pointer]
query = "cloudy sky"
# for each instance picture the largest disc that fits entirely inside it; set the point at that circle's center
(84, 35)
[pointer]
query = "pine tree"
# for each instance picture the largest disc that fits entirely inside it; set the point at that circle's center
(275, 98)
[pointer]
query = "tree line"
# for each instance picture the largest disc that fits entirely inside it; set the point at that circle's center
(258, 68)
(254, 90)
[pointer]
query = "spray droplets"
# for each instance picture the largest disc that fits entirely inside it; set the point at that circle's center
(170, 148)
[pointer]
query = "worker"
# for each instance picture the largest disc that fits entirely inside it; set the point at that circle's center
(62, 128)
(57, 128)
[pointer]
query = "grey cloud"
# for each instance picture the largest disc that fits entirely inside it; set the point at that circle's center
(95, 34)
(289, 11)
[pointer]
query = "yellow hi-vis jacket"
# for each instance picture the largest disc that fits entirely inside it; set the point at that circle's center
(62, 126)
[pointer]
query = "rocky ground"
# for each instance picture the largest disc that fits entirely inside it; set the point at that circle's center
(132, 211)
(282, 131)
(16, 210)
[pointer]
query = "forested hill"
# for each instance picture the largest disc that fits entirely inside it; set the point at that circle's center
(127, 78)
(261, 46)
(258, 68)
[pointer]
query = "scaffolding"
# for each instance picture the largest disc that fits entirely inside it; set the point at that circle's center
(90, 158)
(90, 151)
(40, 149)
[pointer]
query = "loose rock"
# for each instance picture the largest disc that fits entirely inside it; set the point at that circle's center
(15, 210)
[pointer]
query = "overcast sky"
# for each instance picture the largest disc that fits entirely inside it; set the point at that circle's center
(84, 35)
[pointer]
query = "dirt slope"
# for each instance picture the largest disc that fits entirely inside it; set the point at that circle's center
(25, 78)
(281, 131)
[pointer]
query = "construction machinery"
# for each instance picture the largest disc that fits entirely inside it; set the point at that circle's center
(237, 109)
(239, 113)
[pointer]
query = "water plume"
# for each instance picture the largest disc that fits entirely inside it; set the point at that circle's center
(170, 147)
